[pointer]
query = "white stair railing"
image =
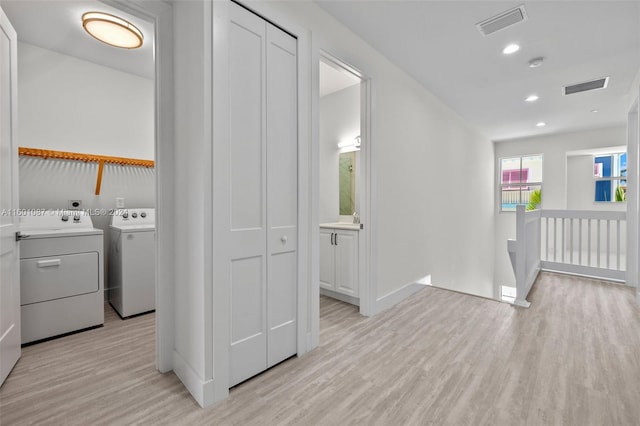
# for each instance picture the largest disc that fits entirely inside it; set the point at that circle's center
(579, 242)
(525, 252)
(582, 242)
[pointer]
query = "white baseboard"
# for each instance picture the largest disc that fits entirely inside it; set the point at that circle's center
(342, 297)
(201, 390)
(397, 296)
(521, 303)
(584, 271)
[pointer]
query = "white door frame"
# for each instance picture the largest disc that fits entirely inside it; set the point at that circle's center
(633, 196)
(160, 13)
(366, 295)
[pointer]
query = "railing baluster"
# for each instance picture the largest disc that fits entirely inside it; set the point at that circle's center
(563, 242)
(546, 238)
(618, 244)
(580, 241)
(555, 239)
(571, 240)
(608, 241)
(598, 242)
(588, 242)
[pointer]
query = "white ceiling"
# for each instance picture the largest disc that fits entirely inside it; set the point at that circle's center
(333, 79)
(56, 25)
(438, 43)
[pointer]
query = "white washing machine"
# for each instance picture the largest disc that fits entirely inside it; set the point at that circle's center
(132, 261)
(61, 274)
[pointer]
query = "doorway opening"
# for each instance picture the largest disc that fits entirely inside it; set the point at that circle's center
(344, 187)
(97, 101)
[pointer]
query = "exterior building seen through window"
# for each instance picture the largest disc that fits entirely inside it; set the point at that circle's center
(520, 182)
(610, 176)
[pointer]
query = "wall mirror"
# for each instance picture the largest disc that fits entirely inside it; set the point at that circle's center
(347, 179)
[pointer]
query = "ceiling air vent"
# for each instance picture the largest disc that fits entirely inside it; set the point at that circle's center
(503, 20)
(600, 83)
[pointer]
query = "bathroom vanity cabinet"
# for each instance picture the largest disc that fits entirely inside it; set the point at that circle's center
(339, 259)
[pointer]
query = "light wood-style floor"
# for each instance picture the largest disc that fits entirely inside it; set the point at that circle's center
(438, 358)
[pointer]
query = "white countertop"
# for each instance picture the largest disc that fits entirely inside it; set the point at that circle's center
(342, 225)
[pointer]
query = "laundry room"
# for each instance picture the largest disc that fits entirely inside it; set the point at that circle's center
(86, 133)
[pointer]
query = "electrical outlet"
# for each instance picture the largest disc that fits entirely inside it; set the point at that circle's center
(75, 204)
(119, 203)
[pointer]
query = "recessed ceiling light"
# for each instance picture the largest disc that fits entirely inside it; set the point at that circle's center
(536, 62)
(594, 110)
(112, 30)
(532, 98)
(541, 124)
(512, 48)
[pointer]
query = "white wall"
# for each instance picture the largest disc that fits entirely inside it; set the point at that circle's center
(633, 195)
(68, 104)
(421, 227)
(339, 120)
(555, 181)
(192, 352)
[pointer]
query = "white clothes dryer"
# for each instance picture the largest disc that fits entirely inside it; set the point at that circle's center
(132, 261)
(61, 274)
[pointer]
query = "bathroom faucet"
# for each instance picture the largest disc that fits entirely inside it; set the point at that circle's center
(356, 217)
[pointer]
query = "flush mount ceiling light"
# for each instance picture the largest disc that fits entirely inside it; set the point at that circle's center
(112, 30)
(541, 124)
(512, 48)
(532, 98)
(594, 110)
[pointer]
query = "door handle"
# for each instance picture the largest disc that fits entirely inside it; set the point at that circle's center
(336, 239)
(47, 263)
(332, 238)
(21, 236)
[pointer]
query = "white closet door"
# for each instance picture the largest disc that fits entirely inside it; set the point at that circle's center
(248, 334)
(264, 194)
(282, 195)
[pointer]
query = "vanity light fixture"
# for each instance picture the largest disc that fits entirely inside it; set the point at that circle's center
(532, 98)
(350, 145)
(112, 30)
(512, 48)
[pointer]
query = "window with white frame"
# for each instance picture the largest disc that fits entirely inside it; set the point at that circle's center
(610, 176)
(520, 182)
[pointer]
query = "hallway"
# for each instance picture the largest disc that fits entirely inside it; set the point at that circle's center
(439, 357)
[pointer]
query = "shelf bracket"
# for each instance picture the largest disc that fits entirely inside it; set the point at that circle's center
(99, 179)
